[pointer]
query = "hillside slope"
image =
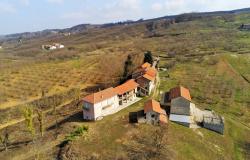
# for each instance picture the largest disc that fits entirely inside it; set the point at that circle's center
(208, 54)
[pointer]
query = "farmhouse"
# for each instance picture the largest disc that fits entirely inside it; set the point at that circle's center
(100, 104)
(53, 47)
(181, 107)
(145, 76)
(48, 47)
(140, 71)
(127, 92)
(58, 45)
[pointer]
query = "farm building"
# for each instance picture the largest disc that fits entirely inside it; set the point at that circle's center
(213, 122)
(165, 101)
(181, 106)
(48, 47)
(245, 27)
(53, 47)
(145, 76)
(58, 45)
(152, 114)
(127, 91)
(140, 71)
(146, 81)
(100, 104)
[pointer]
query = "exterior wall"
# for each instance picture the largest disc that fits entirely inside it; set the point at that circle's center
(151, 86)
(100, 109)
(148, 87)
(88, 112)
(180, 119)
(136, 75)
(129, 96)
(214, 127)
(180, 106)
(152, 117)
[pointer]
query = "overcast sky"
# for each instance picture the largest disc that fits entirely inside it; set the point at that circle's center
(33, 15)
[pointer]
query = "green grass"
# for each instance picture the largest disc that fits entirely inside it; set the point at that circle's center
(209, 84)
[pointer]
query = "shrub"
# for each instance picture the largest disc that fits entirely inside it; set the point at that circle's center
(79, 132)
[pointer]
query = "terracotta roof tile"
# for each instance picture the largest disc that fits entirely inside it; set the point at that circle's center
(148, 77)
(163, 118)
(146, 65)
(180, 92)
(126, 87)
(100, 96)
(151, 71)
(153, 105)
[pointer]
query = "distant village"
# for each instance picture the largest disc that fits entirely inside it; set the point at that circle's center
(175, 105)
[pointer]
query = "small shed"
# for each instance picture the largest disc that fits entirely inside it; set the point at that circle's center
(154, 113)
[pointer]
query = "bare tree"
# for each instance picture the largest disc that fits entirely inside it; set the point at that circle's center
(54, 104)
(40, 118)
(4, 139)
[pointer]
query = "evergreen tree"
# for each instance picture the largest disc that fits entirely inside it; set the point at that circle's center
(148, 57)
(127, 68)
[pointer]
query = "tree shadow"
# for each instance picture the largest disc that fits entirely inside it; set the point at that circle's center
(16, 145)
(77, 117)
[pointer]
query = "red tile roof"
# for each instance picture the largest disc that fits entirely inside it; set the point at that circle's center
(153, 105)
(163, 119)
(100, 96)
(146, 65)
(151, 71)
(180, 92)
(126, 87)
(148, 77)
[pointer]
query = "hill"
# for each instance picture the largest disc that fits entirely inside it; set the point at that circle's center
(205, 52)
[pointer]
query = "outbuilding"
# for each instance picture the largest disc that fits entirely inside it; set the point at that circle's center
(154, 114)
(181, 106)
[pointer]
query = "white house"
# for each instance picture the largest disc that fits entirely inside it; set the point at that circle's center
(58, 45)
(127, 92)
(182, 109)
(100, 104)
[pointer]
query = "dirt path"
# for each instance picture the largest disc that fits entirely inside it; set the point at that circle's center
(157, 85)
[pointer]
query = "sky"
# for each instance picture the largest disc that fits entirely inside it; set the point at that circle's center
(34, 15)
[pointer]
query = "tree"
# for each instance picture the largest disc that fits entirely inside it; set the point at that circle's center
(4, 139)
(40, 118)
(55, 115)
(148, 57)
(28, 115)
(127, 68)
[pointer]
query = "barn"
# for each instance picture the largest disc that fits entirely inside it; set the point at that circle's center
(181, 106)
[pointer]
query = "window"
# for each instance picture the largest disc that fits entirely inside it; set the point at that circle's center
(86, 107)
